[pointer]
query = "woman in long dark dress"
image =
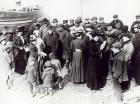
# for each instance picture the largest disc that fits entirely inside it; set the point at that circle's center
(94, 72)
(136, 58)
(19, 54)
(78, 69)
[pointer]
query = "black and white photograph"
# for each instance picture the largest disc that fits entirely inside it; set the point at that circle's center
(69, 52)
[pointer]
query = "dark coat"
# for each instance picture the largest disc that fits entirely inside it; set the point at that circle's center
(51, 42)
(94, 72)
(119, 67)
(64, 45)
(19, 55)
(114, 22)
(134, 23)
(136, 58)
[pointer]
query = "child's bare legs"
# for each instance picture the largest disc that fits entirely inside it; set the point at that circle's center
(7, 82)
(9, 79)
(31, 89)
(35, 87)
(50, 91)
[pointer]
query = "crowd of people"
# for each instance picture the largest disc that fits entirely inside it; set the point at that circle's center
(90, 50)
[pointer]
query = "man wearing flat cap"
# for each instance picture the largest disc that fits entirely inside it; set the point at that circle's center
(116, 23)
(78, 24)
(55, 23)
(51, 41)
(71, 23)
(102, 23)
(94, 22)
(86, 22)
(43, 29)
(136, 22)
(66, 25)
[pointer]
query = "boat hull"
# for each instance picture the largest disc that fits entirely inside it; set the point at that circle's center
(14, 19)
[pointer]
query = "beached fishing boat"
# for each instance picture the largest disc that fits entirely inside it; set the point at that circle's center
(21, 16)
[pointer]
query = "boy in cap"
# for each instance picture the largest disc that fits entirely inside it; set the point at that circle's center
(118, 70)
(128, 49)
(115, 21)
(31, 68)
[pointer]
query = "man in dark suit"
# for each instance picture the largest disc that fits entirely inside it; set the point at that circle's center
(116, 23)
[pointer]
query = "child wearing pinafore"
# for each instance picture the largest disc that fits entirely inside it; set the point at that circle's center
(58, 75)
(47, 77)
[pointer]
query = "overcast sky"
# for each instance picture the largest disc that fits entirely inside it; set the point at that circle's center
(63, 9)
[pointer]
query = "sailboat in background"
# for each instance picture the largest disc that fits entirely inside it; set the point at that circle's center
(19, 16)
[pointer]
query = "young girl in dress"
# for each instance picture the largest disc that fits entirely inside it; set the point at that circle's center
(58, 72)
(48, 73)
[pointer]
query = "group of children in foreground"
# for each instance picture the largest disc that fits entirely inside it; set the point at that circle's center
(51, 76)
(52, 72)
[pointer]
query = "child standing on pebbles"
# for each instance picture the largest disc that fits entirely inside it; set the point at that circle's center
(8, 54)
(47, 77)
(31, 68)
(58, 75)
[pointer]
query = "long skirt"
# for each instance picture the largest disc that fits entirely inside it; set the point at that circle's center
(77, 72)
(20, 62)
(94, 74)
(20, 66)
(136, 68)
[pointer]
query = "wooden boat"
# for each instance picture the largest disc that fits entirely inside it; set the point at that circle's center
(13, 18)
